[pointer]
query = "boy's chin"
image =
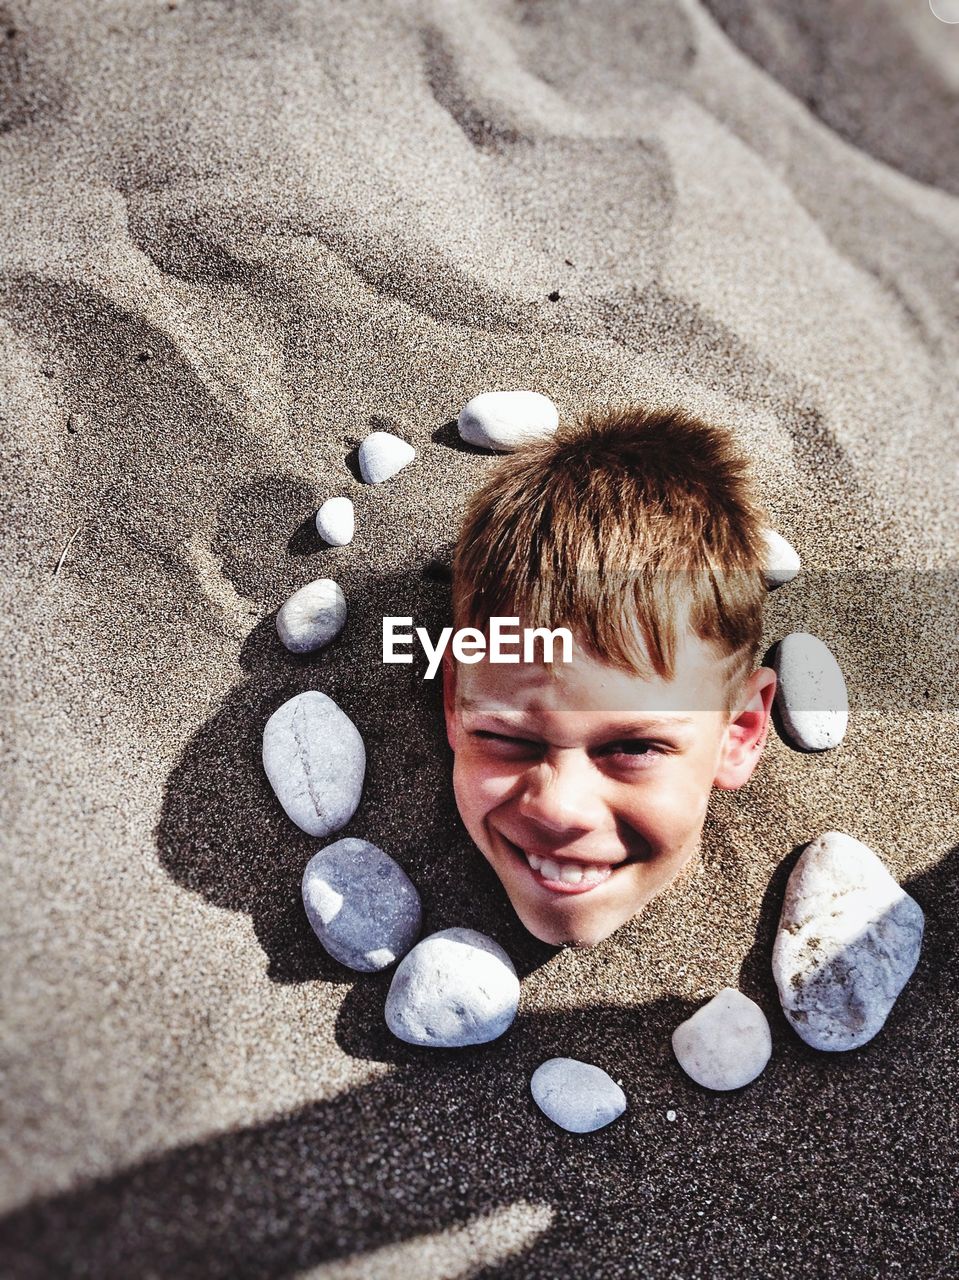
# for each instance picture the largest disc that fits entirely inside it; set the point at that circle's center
(566, 933)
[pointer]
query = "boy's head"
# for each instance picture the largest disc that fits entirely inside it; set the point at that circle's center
(585, 785)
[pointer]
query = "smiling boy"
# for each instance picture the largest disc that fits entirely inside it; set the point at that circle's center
(585, 784)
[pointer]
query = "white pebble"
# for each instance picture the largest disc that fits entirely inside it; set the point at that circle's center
(576, 1095)
(315, 760)
(382, 454)
(781, 563)
(811, 694)
(336, 522)
(849, 938)
(455, 988)
(312, 616)
(505, 420)
(726, 1043)
(670, 1115)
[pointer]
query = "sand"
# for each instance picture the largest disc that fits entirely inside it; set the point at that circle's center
(237, 237)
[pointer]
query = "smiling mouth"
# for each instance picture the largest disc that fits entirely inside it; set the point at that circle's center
(564, 875)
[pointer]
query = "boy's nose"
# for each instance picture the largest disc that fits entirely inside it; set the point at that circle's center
(561, 795)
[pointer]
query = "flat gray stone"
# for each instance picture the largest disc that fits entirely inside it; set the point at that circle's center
(336, 522)
(811, 693)
(506, 420)
(726, 1043)
(455, 988)
(576, 1095)
(312, 616)
(382, 454)
(362, 905)
(849, 938)
(315, 760)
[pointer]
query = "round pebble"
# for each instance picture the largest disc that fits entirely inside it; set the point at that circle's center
(505, 420)
(811, 693)
(781, 563)
(312, 616)
(455, 988)
(849, 938)
(336, 522)
(315, 760)
(576, 1095)
(726, 1043)
(362, 905)
(382, 454)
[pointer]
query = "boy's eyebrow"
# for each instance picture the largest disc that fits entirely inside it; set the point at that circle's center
(643, 724)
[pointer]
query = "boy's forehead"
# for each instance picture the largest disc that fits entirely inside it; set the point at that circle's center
(589, 686)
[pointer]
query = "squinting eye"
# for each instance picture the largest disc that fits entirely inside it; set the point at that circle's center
(635, 750)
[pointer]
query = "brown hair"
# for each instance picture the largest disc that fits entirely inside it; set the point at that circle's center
(628, 520)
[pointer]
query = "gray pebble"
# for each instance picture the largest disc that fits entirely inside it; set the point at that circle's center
(312, 616)
(576, 1096)
(849, 937)
(782, 562)
(811, 693)
(362, 905)
(315, 760)
(455, 988)
(726, 1043)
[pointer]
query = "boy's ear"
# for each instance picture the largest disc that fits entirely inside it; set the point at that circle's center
(449, 698)
(746, 731)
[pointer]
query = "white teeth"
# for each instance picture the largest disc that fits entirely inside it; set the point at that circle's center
(593, 875)
(534, 860)
(549, 870)
(571, 874)
(568, 872)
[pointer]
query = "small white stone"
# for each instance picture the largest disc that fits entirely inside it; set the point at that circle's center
(455, 988)
(336, 522)
(382, 454)
(315, 760)
(849, 938)
(781, 563)
(726, 1043)
(362, 905)
(576, 1095)
(506, 420)
(670, 1115)
(312, 616)
(811, 694)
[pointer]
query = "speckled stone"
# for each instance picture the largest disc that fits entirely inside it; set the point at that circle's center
(849, 938)
(576, 1095)
(336, 522)
(362, 905)
(726, 1043)
(312, 617)
(455, 988)
(811, 693)
(781, 563)
(315, 760)
(382, 454)
(505, 420)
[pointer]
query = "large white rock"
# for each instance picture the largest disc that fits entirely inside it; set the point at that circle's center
(811, 694)
(576, 1095)
(362, 905)
(382, 454)
(726, 1043)
(781, 562)
(455, 988)
(849, 938)
(505, 420)
(315, 760)
(336, 522)
(312, 616)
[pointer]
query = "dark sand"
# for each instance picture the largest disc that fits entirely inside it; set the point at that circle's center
(236, 237)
